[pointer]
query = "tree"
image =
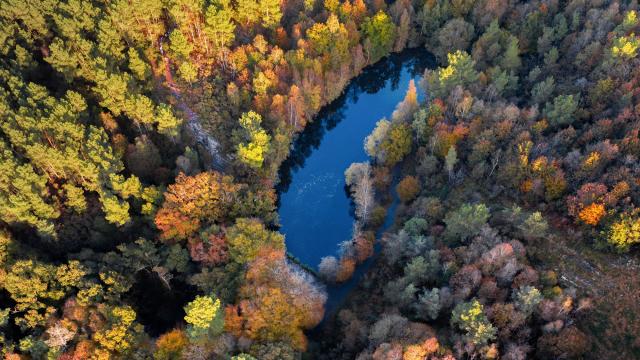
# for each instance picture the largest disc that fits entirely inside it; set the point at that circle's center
(624, 232)
(470, 318)
(592, 213)
(205, 318)
(561, 111)
(450, 161)
(193, 201)
(328, 268)
(278, 301)
(543, 90)
(404, 110)
(35, 287)
(408, 189)
(465, 221)
(171, 345)
(373, 141)
(455, 35)
(248, 236)
(380, 33)
(188, 72)
(180, 46)
(428, 305)
(460, 71)
(358, 179)
(264, 12)
(49, 141)
(535, 225)
(397, 144)
(625, 47)
(219, 25)
(257, 142)
(527, 299)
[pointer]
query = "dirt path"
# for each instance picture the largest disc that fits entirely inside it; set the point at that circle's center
(194, 124)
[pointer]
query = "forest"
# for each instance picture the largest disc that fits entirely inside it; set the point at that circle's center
(141, 152)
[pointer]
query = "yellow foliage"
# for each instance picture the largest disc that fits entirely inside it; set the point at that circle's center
(625, 47)
(524, 149)
(624, 233)
(591, 161)
(540, 164)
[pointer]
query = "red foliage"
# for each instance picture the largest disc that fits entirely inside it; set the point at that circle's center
(212, 252)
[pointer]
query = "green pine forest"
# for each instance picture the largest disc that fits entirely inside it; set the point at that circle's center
(140, 148)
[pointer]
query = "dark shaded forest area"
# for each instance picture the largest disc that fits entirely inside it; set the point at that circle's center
(140, 148)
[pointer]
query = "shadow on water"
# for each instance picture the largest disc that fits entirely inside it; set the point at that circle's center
(372, 80)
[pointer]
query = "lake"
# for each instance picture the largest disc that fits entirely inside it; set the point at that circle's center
(315, 210)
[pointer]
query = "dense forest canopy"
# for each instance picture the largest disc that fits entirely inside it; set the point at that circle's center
(140, 142)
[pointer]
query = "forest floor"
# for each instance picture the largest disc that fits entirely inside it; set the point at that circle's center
(610, 280)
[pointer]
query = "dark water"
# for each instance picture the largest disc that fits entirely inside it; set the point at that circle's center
(315, 210)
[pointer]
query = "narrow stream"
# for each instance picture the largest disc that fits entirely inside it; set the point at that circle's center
(316, 213)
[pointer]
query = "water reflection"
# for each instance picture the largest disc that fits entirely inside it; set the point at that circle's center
(371, 81)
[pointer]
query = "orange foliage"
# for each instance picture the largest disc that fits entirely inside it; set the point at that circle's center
(83, 350)
(192, 199)
(347, 267)
(526, 186)
(448, 136)
(170, 345)
(233, 321)
(421, 351)
(279, 302)
(271, 317)
(408, 189)
(363, 248)
(592, 214)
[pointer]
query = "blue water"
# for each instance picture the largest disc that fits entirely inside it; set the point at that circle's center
(316, 213)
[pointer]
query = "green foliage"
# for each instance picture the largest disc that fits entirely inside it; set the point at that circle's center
(543, 90)
(416, 226)
(561, 111)
(380, 32)
(460, 71)
(138, 67)
(428, 306)
(535, 225)
(465, 221)
(36, 287)
(205, 317)
(219, 24)
(180, 46)
(248, 236)
(470, 318)
(423, 270)
(527, 299)
(264, 12)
